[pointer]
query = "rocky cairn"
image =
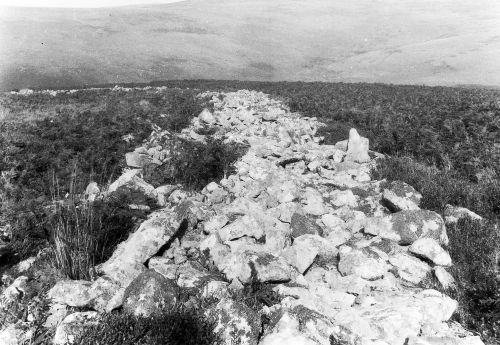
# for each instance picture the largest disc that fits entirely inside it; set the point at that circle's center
(348, 255)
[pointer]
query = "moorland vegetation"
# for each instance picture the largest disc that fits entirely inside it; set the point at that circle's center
(443, 141)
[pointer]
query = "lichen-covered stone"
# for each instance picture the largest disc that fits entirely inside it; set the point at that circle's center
(149, 294)
(302, 225)
(235, 321)
(411, 225)
(399, 196)
(430, 249)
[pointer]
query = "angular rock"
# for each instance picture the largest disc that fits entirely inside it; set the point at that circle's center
(300, 255)
(410, 268)
(207, 117)
(313, 201)
(260, 267)
(452, 214)
(414, 224)
(338, 237)
(357, 148)
(216, 289)
(324, 248)
(215, 223)
(92, 191)
(74, 293)
(131, 182)
(447, 340)
(187, 275)
(72, 326)
(332, 221)
(11, 335)
(127, 261)
(444, 277)
(430, 249)
(162, 194)
(244, 226)
(399, 196)
(287, 331)
(235, 319)
(381, 226)
(149, 294)
(354, 261)
(137, 160)
(341, 198)
(302, 225)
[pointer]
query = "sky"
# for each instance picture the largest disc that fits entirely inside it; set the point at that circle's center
(81, 3)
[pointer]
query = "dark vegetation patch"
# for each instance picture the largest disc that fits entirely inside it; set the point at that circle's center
(180, 326)
(74, 147)
(195, 164)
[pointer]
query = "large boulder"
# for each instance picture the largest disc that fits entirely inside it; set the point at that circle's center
(149, 294)
(410, 225)
(129, 257)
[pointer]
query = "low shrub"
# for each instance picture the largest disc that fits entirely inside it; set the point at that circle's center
(195, 164)
(474, 250)
(180, 326)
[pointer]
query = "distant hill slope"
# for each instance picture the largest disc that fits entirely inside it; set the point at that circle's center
(411, 42)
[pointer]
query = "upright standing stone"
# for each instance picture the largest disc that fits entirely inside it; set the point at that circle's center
(357, 148)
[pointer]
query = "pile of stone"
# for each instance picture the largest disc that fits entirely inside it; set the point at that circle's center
(348, 255)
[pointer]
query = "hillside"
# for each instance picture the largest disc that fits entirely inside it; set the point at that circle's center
(287, 240)
(419, 42)
(266, 206)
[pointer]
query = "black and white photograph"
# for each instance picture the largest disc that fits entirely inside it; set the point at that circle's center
(249, 172)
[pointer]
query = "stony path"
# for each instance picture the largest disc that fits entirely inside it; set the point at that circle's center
(347, 254)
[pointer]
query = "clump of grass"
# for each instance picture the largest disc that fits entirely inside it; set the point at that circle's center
(84, 234)
(181, 326)
(195, 164)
